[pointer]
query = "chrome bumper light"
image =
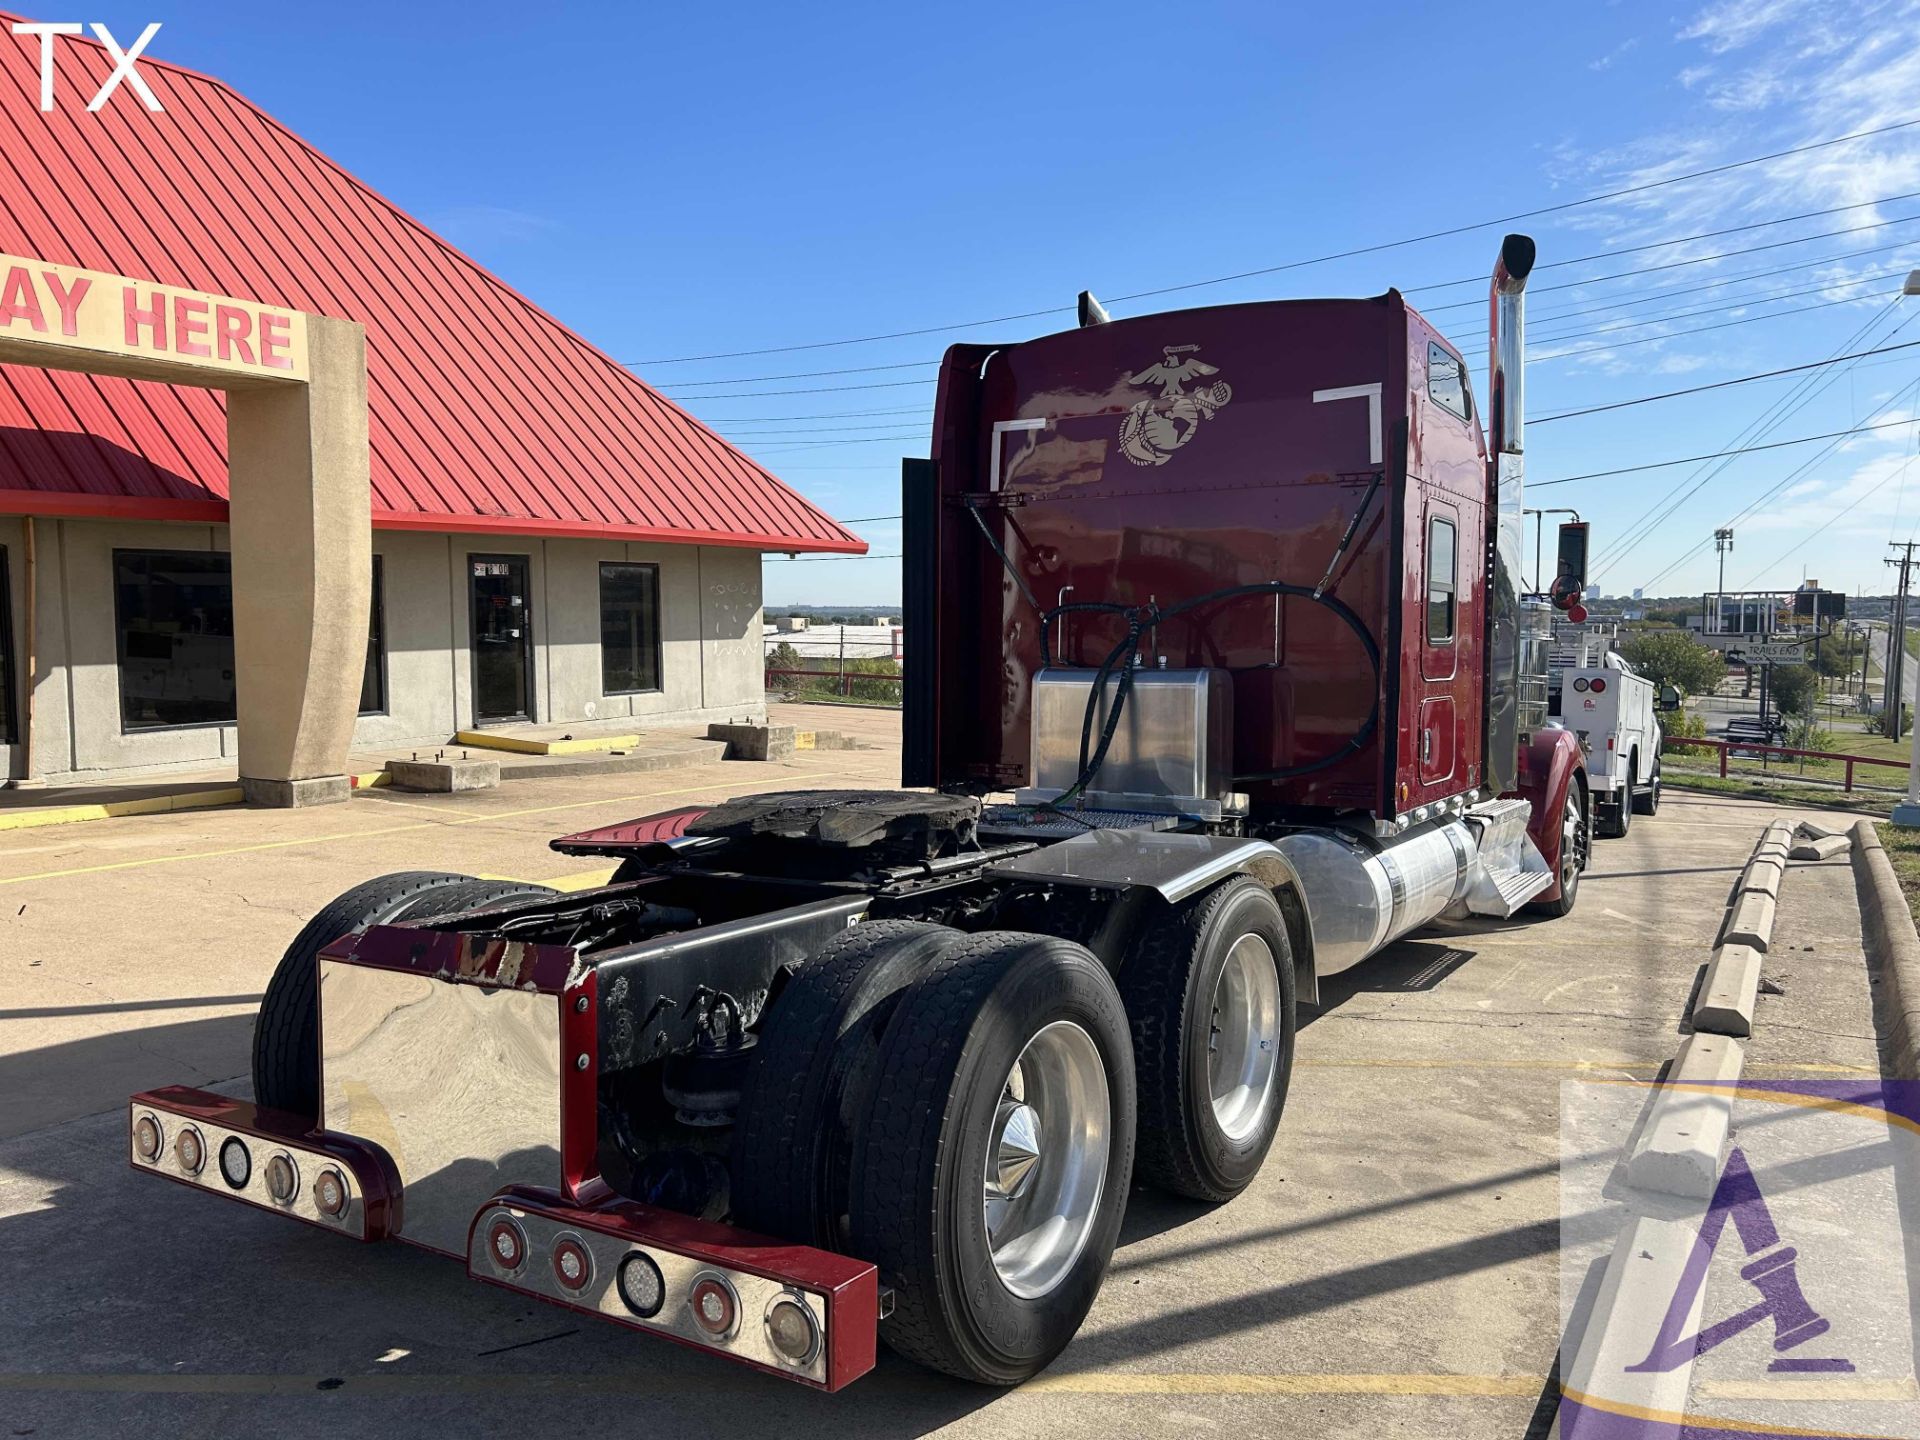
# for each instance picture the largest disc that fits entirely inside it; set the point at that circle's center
(792, 1310)
(353, 1192)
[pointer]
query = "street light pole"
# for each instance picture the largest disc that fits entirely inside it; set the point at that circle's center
(1907, 813)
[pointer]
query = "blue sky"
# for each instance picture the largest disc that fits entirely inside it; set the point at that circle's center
(684, 180)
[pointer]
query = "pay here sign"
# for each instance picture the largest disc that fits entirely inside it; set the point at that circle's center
(160, 331)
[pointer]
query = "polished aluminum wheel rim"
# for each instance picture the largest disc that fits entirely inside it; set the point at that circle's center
(1047, 1159)
(1243, 1050)
(1570, 856)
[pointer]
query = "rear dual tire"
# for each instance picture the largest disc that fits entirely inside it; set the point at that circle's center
(1210, 1001)
(991, 1175)
(959, 1110)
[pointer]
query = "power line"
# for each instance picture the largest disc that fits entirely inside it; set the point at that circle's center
(1687, 239)
(818, 415)
(1758, 501)
(1374, 249)
(794, 375)
(1414, 290)
(1771, 417)
(1716, 455)
(1676, 264)
(1716, 385)
(809, 559)
(1717, 310)
(1811, 537)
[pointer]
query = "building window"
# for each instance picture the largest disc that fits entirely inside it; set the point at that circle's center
(373, 679)
(1447, 381)
(629, 629)
(1442, 599)
(174, 622)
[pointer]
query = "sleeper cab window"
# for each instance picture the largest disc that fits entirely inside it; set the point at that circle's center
(1447, 381)
(1442, 592)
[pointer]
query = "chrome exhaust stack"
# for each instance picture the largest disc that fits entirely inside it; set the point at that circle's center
(1506, 432)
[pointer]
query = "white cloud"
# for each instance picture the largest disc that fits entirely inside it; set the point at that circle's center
(1606, 61)
(488, 224)
(1734, 23)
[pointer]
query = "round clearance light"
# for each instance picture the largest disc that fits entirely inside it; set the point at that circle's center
(236, 1165)
(283, 1177)
(1599, 686)
(716, 1309)
(1580, 682)
(190, 1150)
(792, 1331)
(507, 1244)
(148, 1138)
(641, 1289)
(572, 1263)
(330, 1193)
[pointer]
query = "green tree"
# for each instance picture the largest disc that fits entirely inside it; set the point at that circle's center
(1839, 655)
(1793, 688)
(1673, 657)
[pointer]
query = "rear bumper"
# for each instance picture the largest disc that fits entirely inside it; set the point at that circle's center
(801, 1313)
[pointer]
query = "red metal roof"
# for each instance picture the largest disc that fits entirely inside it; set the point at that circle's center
(486, 413)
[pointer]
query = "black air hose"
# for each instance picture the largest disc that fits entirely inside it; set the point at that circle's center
(1141, 618)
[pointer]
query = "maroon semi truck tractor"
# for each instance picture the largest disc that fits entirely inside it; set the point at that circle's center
(1219, 680)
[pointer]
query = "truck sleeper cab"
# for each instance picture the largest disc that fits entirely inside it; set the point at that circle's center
(1215, 687)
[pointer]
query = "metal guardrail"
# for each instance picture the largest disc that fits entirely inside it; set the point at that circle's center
(1749, 747)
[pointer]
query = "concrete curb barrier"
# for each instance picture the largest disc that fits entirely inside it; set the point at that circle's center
(1762, 874)
(1893, 953)
(1686, 1131)
(1824, 848)
(1729, 992)
(1642, 1276)
(1750, 921)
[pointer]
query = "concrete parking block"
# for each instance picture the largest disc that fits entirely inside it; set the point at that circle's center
(1750, 920)
(1727, 995)
(1827, 847)
(1762, 874)
(443, 776)
(1643, 1275)
(1813, 830)
(1686, 1132)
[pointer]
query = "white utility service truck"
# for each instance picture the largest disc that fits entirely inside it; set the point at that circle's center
(1610, 708)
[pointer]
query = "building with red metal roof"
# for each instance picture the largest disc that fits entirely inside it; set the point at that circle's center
(554, 541)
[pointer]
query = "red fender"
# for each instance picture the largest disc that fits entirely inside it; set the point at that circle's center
(1550, 761)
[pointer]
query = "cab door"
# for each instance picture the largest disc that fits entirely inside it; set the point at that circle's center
(1440, 631)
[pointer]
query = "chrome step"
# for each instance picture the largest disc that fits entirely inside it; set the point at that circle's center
(1508, 868)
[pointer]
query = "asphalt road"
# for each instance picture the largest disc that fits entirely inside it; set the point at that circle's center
(1392, 1272)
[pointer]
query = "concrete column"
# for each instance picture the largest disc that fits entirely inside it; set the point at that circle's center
(301, 531)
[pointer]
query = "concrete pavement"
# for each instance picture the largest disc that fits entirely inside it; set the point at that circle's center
(1392, 1272)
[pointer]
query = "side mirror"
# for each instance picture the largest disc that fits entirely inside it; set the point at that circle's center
(1669, 699)
(1569, 576)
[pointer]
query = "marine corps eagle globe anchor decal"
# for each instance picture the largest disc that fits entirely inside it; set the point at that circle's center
(1156, 427)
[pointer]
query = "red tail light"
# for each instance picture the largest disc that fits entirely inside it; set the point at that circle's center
(792, 1310)
(175, 1132)
(1599, 686)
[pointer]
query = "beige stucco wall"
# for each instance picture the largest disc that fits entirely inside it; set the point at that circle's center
(710, 642)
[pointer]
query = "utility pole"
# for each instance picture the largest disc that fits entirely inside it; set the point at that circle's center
(1907, 813)
(1897, 639)
(1722, 543)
